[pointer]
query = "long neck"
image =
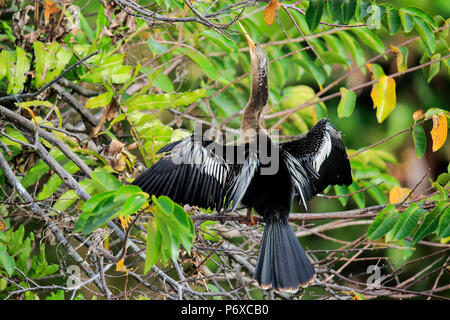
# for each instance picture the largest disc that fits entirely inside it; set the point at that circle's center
(258, 98)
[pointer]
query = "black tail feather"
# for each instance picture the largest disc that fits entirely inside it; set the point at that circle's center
(282, 264)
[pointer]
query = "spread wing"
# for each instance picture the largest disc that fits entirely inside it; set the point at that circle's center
(199, 172)
(317, 160)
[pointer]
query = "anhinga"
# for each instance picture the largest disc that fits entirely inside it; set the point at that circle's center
(200, 172)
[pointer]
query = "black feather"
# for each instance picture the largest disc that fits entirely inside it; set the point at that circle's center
(282, 264)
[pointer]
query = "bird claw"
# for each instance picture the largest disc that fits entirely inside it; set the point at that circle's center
(250, 219)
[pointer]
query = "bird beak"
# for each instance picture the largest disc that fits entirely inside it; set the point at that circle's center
(249, 40)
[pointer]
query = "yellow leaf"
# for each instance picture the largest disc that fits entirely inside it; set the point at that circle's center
(314, 117)
(397, 194)
(125, 221)
(33, 116)
(384, 97)
(400, 59)
(50, 8)
(439, 131)
(106, 243)
(2, 226)
(355, 295)
(418, 115)
(271, 11)
(120, 266)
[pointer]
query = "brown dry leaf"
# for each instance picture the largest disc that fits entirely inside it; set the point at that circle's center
(400, 58)
(114, 147)
(439, 131)
(50, 8)
(271, 11)
(119, 162)
(397, 194)
(418, 115)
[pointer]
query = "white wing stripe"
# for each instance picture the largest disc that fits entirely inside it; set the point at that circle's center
(323, 152)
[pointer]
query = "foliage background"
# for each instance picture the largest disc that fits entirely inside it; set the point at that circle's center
(147, 85)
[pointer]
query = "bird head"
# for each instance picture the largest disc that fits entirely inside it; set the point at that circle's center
(257, 55)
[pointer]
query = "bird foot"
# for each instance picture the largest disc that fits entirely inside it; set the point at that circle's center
(251, 220)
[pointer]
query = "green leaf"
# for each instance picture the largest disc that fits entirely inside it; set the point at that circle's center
(340, 191)
(22, 67)
(164, 83)
(314, 70)
(102, 207)
(426, 34)
(6, 261)
(40, 168)
(331, 58)
(102, 100)
(348, 10)
(353, 47)
(85, 27)
(429, 222)
(132, 204)
(50, 61)
(224, 44)
(384, 155)
(334, 8)
(375, 192)
(393, 19)
(314, 13)
(6, 59)
(420, 141)
(443, 178)
(122, 74)
(362, 9)
(443, 193)
(155, 47)
(433, 69)
(407, 221)
(101, 20)
(336, 45)
(347, 103)
(59, 295)
(407, 20)
(153, 245)
(105, 181)
(369, 39)
(110, 70)
(358, 197)
(444, 224)
(55, 181)
(418, 13)
(376, 70)
(70, 196)
(16, 242)
(383, 223)
(103, 211)
(149, 102)
(174, 224)
(202, 61)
